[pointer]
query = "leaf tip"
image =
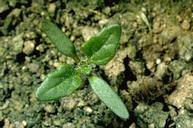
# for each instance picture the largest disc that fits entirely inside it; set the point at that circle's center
(124, 115)
(38, 94)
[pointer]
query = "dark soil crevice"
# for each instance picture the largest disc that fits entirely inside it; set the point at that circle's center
(2, 123)
(170, 123)
(26, 4)
(111, 2)
(103, 75)
(4, 14)
(20, 57)
(166, 79)
(127, 75)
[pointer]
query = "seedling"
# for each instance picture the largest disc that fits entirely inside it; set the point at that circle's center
(99, 50)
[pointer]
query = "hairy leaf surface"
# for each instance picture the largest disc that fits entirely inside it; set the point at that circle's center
(62, 43)
(62, 82)
(101, 48)
(108, 96)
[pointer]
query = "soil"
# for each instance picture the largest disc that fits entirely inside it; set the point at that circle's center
(152, 71)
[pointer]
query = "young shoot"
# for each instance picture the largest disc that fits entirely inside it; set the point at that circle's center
(98, 50)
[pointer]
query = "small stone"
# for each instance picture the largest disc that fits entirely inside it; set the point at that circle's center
(50, 109)
(68, 125)
(52, 8)
(72, 38)
(81, 103)
(103, 22)
(24, 123)
(7, 123)
(69, 104)
(170, 33)
(17, 43)
(16, 12)
(29, 47)
(33, 67)
(161, 70)
(185, 25)
(185, 44)
(40, 48)
(107, 10)
(179, 18)
(158, 61)
(70, 61)
(150, 65)
(151, 116)
(30, 35)
(183, 92)
(88, 109)
(62, 58)
(56, 64)
(57, 122)
(42, 77)
(184, 119)
(133, 125)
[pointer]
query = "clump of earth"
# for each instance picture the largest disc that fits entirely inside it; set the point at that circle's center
(152, 71)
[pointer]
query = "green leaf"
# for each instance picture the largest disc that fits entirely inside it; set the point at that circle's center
(62, 82)
(62, 43)
(109, 97)
(102, 47)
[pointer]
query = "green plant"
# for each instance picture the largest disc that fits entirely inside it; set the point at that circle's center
(99, 50)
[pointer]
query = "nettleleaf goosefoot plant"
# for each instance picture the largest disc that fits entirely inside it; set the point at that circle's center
(99, 50)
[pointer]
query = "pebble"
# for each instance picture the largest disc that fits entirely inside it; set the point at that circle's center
(179, 18)
(183, 92)
(52, 8)
(29, 47)
(50, 109)
(40, 48)
(81, 103)
(88, 109)
(69, 104)
(24, 123)
(30, 35)
(103, 22)
(68, 125)
(161, 70)
(158, 61)
(185, 25)
(57, 122)
(185, 44)
(150, 65)
(17, 43)
(107, 10)
(56, 64)
(33, 67)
